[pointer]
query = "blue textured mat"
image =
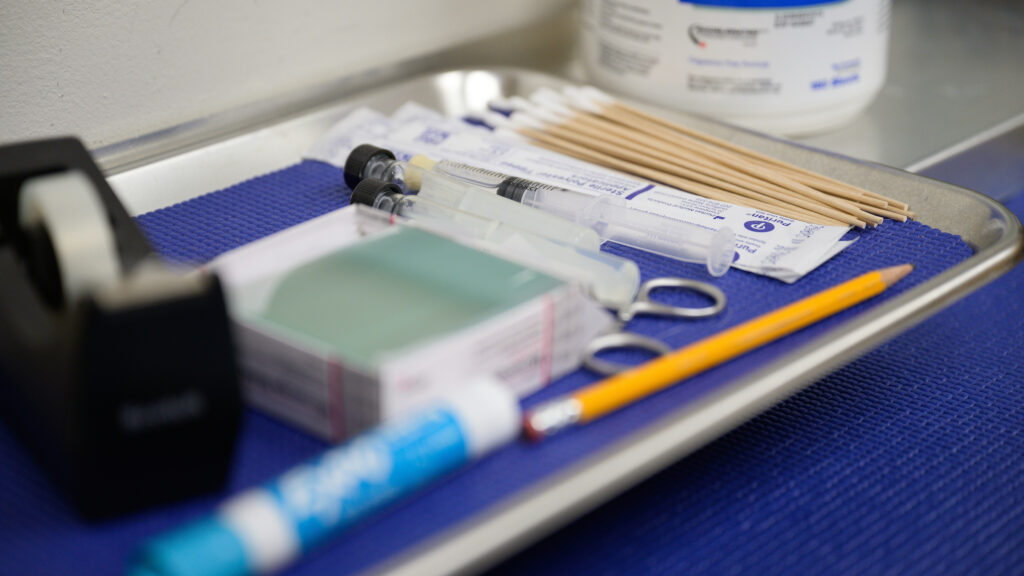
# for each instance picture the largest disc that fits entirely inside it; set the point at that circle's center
(907, 461)
(800, 485)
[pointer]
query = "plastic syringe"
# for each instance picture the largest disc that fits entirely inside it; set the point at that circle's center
(368, 161)
(611, 280)
(607, 214)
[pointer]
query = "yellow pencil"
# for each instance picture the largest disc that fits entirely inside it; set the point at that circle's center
(613, 393)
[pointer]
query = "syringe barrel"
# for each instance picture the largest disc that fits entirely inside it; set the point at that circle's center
(611, 280)
(461, 195)
(434, 214)
(612, 218)
(472, 174)
(477, 197)
(615, 221)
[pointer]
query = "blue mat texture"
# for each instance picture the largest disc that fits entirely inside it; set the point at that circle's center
(906, 461)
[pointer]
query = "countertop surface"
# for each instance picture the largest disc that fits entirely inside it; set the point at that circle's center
(956, 77)
(955, 81)
(905, 461)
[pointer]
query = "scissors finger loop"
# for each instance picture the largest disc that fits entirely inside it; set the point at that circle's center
(645, 305)
(618, 340)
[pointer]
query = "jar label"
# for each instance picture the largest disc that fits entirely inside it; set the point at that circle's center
(721, 56)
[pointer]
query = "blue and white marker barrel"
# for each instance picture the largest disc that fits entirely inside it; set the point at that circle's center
(266, 528)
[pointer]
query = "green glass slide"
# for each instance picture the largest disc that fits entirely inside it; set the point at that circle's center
(404, 287)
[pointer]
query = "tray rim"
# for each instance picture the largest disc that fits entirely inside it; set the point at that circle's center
(522, 518)
(526, 518)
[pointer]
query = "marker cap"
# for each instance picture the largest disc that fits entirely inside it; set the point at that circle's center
(205, 548)
(488, 413)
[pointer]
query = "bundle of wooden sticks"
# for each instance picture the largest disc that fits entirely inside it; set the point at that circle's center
(593, 126)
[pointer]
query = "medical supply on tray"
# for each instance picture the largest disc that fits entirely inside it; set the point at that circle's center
(618, 391)
(117, 372)
(265, 529)
(588, 124)
(611, 280)
(785, 66)
(644, 305)
(766, 243)
(367, 161)
(349, 319)
(395, 289)
(607, 214)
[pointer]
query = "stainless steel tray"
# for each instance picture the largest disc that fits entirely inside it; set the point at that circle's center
(149, 174)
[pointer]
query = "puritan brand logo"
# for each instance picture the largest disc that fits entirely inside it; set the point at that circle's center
(759, 226)
(701, 35)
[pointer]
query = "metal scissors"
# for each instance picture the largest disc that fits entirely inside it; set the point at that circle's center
(618, 337)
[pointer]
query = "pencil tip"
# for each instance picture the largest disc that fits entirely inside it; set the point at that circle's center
(894, 274)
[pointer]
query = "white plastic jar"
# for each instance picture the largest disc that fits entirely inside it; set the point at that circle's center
(783, 66)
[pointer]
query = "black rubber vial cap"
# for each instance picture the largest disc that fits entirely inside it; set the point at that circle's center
(367, 191)
(357, 160)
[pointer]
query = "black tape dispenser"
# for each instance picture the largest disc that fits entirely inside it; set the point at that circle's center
(118, 372)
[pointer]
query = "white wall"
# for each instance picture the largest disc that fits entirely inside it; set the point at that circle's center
(108, 70)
